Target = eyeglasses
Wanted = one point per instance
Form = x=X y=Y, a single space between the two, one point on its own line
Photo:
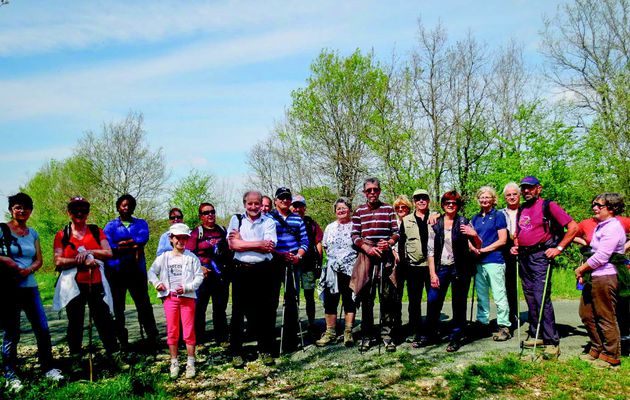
x=598 y=205
x=401 y=207
x=372 y=190
x=449 y=203
x=173 y=217
x=208 y=212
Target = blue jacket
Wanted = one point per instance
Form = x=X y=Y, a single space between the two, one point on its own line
x=138 y=231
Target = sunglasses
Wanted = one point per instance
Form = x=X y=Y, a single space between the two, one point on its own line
x=285 y=197
x=421 y=198
x=372 y=190
x=208 y=212
x=598 y=205
x=401 y=207
x=173 y=217
x=449 y=203
x=78 y=211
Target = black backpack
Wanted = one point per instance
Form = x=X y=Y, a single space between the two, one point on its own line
x=67 y=231
x=6 y=275
x=550 y=225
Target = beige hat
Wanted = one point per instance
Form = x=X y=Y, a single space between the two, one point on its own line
x=178 y=229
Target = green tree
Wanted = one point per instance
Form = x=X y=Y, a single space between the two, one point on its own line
x=189 y=192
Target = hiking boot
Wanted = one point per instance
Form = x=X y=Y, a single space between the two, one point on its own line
x=601 y=364
x=238 y=362
x=423 y=341
x=502 y=335
x=190 y=370
x=54 y=375
x=587 y=357
x=266 y=359
x=551 y=352
x=365 y=344
x=329 y=337
x=390 y=347
x=174 y=369
x=531 y=342
x=117 y=361
x=348 y=339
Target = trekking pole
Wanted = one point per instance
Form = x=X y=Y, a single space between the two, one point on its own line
x=90 y=328
x=518 y=307
x=284 y=306
x=542 y=308
x=380 y=304
x=296 y=286
x=472 y=298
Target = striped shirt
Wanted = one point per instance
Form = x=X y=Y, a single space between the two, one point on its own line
x=287 y=241
x=374 y=224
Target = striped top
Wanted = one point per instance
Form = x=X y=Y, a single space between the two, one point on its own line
x=374 y=224
x=287 y=241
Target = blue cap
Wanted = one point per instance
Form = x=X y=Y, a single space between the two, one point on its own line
x=530 y=181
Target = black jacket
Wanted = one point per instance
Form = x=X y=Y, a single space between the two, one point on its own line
x=464 y=261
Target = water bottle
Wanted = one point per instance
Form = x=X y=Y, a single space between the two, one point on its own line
x=578 y=285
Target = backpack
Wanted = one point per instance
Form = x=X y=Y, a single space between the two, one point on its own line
x=6 y=275
x=550 y=225
x=222 y=254
x=312 y=255
x=67 y=231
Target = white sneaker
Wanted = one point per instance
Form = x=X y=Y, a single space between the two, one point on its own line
x=14 y=385
x=174 y=370
x=54 y=375
x=190 y=371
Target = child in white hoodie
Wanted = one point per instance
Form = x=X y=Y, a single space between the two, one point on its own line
x=176 y=275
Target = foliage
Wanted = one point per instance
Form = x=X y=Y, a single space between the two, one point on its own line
x=189 y=192
x=320 y=202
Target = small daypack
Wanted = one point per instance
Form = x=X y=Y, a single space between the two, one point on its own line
x=550 y=225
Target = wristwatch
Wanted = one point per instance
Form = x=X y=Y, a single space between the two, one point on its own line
x=559 y=248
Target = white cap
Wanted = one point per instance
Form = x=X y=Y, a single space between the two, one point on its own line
x=179 y=229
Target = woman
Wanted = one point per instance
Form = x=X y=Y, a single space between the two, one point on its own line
x=23 y=257
x=176 y=275
x=512 y=196
x=209 y=243
x=175 y=216
x=80 y=252
x=490 y=227
x=601 y=275
x=402 y=206
x=335 y=279
x=449 y=262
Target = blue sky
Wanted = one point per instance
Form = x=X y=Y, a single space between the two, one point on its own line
x=210 y=77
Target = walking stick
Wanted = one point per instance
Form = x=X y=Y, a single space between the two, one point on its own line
x=542 y=308
x=380 y=304
x=518 y=307
x=472 y=298
x=90 y=327
x=297 y=305
x=371 y=294
x=284 y=306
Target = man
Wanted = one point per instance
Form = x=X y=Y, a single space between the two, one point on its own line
x=291 y=248
x=267 y=205
x=536 y=246
x=312 y=262
x=127 y=269
x=374 y=232
x=412 y=249
x=252 y=238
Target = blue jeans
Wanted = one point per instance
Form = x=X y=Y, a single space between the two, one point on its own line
x=435 y=300
x=29 y=300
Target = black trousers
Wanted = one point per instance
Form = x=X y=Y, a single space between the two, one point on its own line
x=253 y=298
x=418 y=280
x=216 y=287
x=134 y=279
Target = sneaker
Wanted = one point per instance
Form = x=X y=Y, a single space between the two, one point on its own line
x=502 y=335
x=238 y=362
x=266 y=359
x=365 y=344
x=587 y=357
x=54 y=375
x=390 y=347
x=190 y=370
x=174 y=370
x=348 y=339
x=329 y=337
x=14 y=385
x=453 y=346
x=531 y=342
x=551 y=352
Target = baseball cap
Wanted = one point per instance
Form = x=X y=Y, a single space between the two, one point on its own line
x=77 y=201
x=420 y=192
x=179 y=229
x=530 y=181
x=298 y=198
x=283 y=191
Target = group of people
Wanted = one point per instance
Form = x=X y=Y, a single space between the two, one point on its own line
x=273 y=251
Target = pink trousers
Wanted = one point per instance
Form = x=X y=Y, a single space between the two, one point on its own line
x=175 y=308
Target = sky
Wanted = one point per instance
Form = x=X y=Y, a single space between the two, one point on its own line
x=210 y=77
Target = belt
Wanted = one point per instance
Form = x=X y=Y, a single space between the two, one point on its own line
x=240 y=264
x=533 y=249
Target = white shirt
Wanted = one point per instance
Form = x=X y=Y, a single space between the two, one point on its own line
x=262 y=228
